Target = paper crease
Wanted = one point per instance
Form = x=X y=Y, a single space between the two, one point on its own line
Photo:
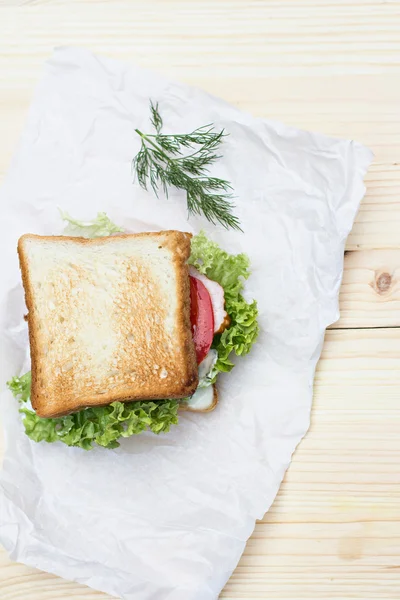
x=168 y=518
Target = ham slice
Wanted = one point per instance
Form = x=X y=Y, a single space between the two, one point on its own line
x=216 y=291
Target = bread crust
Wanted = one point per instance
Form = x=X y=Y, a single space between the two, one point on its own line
x=178 y=244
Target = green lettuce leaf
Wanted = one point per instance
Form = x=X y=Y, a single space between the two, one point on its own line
x=101 y=226
x=104 y=426
x=21 y=387
x=230 y=271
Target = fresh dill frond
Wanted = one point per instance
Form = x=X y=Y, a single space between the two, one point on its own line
x=162 y=161
x=156 y=119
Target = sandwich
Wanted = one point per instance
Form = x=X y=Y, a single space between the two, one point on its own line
x=126 y=330
x=109 y=319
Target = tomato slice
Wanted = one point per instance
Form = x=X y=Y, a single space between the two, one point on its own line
x=201 y=317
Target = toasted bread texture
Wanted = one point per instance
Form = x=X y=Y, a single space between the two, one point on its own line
x=109 y=319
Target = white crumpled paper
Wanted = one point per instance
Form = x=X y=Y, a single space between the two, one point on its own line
x=167 y=517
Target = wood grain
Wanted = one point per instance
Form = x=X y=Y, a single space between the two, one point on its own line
x=334 y=529
x=370 y=292
x=329 y=67
x=333 y=67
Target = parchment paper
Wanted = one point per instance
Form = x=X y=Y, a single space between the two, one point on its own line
x=167 y=517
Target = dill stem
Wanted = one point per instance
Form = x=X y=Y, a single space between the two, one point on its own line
x=158 y=148
x=146 y=137
x=162 y=159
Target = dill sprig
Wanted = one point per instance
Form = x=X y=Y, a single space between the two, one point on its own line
x=164 y=160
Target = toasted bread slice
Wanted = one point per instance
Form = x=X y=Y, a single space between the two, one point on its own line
x=109 y=319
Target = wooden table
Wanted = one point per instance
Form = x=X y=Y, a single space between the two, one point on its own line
x=334 y=530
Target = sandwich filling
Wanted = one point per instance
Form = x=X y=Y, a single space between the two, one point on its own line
x=223 y=324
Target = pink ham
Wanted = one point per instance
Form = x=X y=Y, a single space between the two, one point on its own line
x=216 y=291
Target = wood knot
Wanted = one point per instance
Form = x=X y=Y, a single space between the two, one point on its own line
x=383 y=283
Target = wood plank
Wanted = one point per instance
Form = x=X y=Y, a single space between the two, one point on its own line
x=331 y=67
x=334 y=529
x=370 y=292
x=326 y=68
